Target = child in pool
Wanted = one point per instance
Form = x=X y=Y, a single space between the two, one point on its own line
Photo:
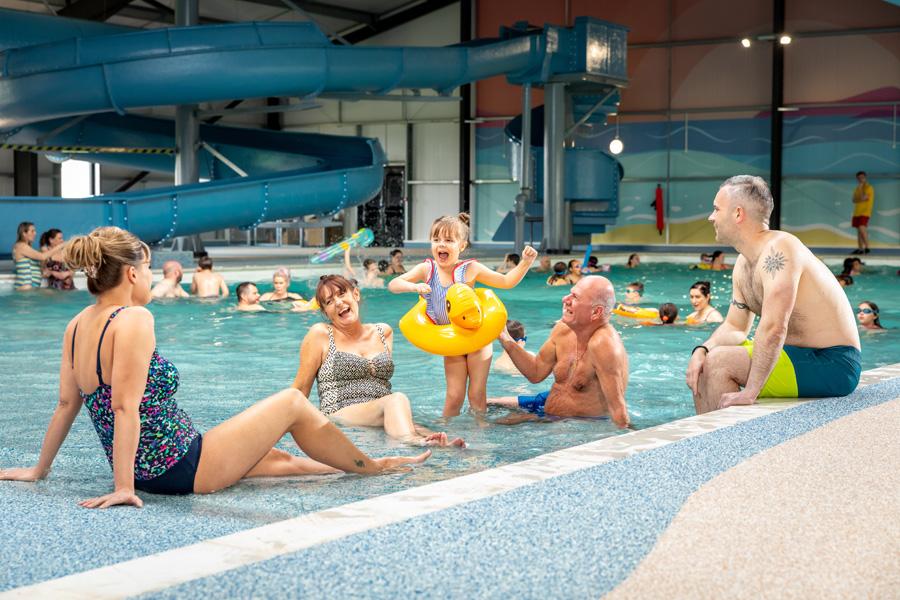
x=559 y=276
x=668 y=313
x=431 y=278
x=504 y=364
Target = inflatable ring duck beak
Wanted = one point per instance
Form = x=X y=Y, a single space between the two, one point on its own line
x=463 y=307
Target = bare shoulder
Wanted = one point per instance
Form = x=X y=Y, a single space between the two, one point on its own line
x=388 y=331
x=317 y=331
x=606 y=340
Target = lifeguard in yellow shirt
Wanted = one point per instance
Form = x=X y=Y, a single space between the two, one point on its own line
x=863 y=200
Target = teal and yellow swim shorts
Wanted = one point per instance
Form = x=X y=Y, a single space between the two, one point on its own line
x=812 y=372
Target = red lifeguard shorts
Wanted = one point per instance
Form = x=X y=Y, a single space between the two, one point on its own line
x=859 y=221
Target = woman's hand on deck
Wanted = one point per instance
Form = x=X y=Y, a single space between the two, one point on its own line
x=117 y=498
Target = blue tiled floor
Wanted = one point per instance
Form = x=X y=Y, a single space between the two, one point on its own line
x=574 y=536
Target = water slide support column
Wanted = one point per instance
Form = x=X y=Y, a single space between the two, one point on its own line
x=187 y=126
x=524 y=194
x=554 y=169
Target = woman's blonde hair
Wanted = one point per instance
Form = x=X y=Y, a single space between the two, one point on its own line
x=455 y=225
x=21 y=229
x=282 y=272
x=102 y=253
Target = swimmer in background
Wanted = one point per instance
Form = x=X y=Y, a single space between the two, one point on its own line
x=852 y=266
x=504 y=364
x=281 y=280
x=544 y=265
x=396 y=265
x=509 y=263
x=465 y=375
x=207 y=284
x=248 y=297
x=170 y=286
x=703 y=311
x=718 y=262
x=574 y=275
x=370 y=272
x=634 y=293
x=867 y=315
x=594 y=266
x=634 y=261
x=844 y=280
x=668 y=314
x=559 y=275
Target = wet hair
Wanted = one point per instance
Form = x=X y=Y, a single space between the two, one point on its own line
x=21 y=229
x=515 y=329
x=848 y=265
x=573 y=263
x=367 y=262
x=631 y=257
x=205 y=262
x=668 y=312
x=333 y=285
x=397 y=251
x=48 y=235
x=858 y=173
x=593 y=262
x=513 y=258
x=282 y=272
x=638 y=286
x=715 y=255
x=241 y=288
x=753 y=190
x=383 y=265
x=703 y=286
x=102 y=253
x=559 y=268
x=847 y=280
x=456 y=225
x=875 y=312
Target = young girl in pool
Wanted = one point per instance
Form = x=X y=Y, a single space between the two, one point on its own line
x=431 y=278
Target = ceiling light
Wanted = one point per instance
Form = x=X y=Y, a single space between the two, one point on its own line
x=616 y=146
x=745 y=42
x=785 y=39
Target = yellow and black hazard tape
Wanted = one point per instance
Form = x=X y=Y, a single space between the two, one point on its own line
x=86 y=149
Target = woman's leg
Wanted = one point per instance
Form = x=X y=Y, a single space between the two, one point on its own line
x=231 y=450
x=479 y=364
x=456 y=373
x=393 y=412
x=278 y=463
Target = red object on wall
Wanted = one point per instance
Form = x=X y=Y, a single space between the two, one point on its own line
x=660 y=214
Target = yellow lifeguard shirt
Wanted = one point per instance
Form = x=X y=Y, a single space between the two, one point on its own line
x=863 y=209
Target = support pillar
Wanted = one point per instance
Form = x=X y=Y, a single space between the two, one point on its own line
x=554 y=238
x=777 y=116
x=25 y=173
x=525 y=172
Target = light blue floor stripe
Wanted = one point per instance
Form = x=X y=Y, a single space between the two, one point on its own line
x=574 y=536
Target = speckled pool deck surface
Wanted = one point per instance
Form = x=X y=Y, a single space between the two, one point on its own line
x=777 y=499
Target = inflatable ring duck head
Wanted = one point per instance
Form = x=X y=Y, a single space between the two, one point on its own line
x=463 y=307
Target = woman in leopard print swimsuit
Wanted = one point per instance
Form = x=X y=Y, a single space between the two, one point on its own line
x=352 y=365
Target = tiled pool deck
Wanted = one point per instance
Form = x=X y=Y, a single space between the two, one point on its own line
x=791 y=498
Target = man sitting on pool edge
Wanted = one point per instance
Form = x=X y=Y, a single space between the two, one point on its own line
x=806 y=343
x=585 y=354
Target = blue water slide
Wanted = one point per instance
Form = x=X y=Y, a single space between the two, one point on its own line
x=69 y=83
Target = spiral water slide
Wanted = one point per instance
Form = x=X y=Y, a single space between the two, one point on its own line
x=68 y=84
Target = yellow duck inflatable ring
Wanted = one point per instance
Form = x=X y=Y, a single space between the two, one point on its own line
x=476 y=319
x=640 y=313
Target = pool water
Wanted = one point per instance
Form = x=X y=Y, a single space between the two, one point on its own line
x=229 y=359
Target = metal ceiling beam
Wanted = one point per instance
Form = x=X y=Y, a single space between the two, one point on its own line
x=325 y=10
x=396 y=18
x=93 y=10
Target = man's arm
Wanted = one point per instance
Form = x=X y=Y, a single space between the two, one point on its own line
x=535 y=367
x=611 y=363
x=223 y=287
x=781 y=270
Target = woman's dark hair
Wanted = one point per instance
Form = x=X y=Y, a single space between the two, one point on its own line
x=395 y=252
x=383 y=265
x=592 y=262
x=102 y=253
x=332 y=285
x=631 y=257
x=515 y=329
x=849 y=263
x=703 y=286
x=367 y=262
x=573 y=263
x=47 y=236
x=858 y=173
x=513 y=258
x=21 y=229
x=241 y=288
x=716 y=255
x=847 y=280
x=559 y=268
x=875 y=312
x=668 y=312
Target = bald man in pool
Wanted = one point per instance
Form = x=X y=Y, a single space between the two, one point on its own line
x=806 y=343
x=585 y=355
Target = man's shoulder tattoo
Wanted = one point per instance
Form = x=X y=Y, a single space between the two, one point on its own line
x=774 y=263
x=740 y=305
